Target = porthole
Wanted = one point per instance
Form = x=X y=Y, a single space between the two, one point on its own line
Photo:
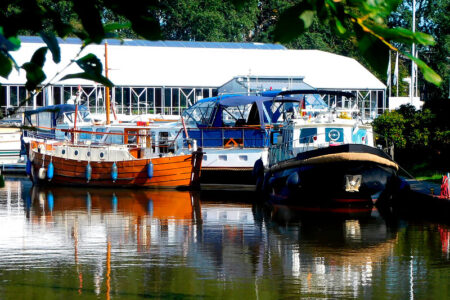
x=88 y=153
x=63 y=151
x=102 y=155
x=75 y=152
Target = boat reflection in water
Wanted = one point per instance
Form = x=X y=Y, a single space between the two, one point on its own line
x=326 y=247
x=137 y=203
x=136 y=243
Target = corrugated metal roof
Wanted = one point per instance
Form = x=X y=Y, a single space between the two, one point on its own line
x=182 y=44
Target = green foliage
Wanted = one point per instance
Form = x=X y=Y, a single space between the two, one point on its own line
x=418 y=135
x=391 y=125
x=92 y=70
x=213 y=20
x=35 y=74
x=50 y=39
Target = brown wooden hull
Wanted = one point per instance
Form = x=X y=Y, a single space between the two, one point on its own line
x=168 y=172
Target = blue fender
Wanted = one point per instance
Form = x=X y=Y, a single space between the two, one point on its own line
x=150 y=170
x=88 y=172
x=50 y=171
x=114 y=172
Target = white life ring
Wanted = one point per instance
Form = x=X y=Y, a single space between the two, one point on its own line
x=334 y=135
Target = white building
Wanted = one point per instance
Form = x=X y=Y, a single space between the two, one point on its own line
x=168 y=76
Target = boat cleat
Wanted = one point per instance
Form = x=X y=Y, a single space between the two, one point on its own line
x=352 y=183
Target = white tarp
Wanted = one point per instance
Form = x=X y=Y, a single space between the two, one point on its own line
x=204 y=67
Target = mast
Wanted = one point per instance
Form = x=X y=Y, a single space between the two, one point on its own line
x=107 y=101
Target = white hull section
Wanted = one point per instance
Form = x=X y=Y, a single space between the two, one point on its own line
x=233 y=158
x=9 y=145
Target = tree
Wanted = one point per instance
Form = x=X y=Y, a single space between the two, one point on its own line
x=212 y=20
x=418 y=136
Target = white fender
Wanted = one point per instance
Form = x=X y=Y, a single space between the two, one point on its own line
x=42 y=173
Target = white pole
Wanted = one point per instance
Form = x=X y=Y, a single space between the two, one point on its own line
x=413 y=52
x=389 y=80
x=396 y=71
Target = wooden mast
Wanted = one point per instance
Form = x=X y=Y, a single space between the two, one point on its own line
x=107 y=101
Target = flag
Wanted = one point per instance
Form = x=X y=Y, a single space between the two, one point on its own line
x=388 y=81
x=395 y=79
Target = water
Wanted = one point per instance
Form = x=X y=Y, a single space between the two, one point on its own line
x=58 y=243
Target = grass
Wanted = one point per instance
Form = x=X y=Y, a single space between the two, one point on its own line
x=435 y=178
x=424 y=171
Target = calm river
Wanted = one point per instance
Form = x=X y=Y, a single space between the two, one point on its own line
x=67 y=243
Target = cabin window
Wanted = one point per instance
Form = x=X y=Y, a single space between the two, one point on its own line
x=334 y=135
x=132 y=137
x=75 y=152
x=45 y=121
x=235 y=116
x=84 y=135
x=115 y=138
x=308 y=135
x=63 y=151
x=99 y=136
x=102 y=155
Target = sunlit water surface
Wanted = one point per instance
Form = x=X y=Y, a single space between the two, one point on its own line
x=58 y=243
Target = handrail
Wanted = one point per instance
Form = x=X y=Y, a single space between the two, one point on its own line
x=275 y=155
x=225 y=141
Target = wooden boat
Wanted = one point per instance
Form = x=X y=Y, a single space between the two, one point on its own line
x=135 y=163
x=60 y=152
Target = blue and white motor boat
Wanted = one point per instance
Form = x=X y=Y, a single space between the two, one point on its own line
x=233 y=131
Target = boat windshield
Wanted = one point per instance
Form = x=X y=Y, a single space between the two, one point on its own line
x=199 y=114
x=281 y=109
x=235 y=115
x=69 y=117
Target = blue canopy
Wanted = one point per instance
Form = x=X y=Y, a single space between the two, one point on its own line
x=59 y=109
x=56 y=111
x=213 y=113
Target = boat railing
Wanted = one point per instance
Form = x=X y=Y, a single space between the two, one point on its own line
x=291 y=147
x=132 y=138
x=224 y=137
